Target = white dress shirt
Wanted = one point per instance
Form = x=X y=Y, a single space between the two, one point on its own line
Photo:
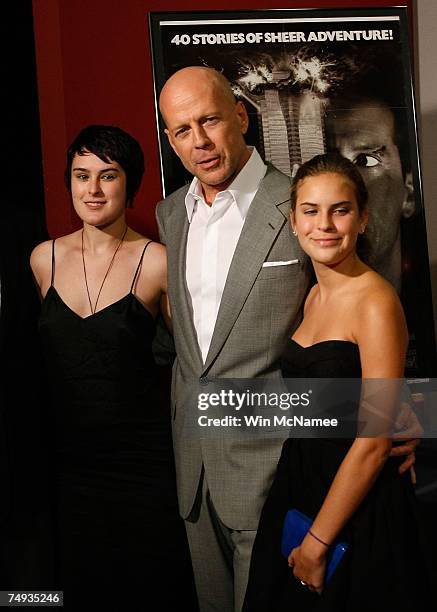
x=212 y=238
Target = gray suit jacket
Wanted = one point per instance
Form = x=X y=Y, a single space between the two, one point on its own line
x=259 y=309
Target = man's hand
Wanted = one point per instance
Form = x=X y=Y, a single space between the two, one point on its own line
x=407 y=449
x=409 y=430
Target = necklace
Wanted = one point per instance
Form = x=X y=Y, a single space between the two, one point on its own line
x=93 y=310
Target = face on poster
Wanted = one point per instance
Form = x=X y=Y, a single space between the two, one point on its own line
x=315 y=81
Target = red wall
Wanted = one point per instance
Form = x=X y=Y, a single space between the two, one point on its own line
x=94 y=66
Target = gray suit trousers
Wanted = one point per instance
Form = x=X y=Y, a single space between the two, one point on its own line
x=220 y=556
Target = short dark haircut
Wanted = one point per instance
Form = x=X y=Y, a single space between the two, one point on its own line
x=336 y=164
x=109 y=143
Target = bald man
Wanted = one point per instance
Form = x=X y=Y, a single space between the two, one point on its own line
x=236 y=283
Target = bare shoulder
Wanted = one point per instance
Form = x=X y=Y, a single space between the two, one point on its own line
x=378 y=306
x=376 y=294
x=41 y=261
x=154 y=265
x=41 y=253
x=380 y=328
x=156 y=258
x=155 y=253
x=41 y=256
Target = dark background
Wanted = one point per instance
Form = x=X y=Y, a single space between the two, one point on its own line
x=21 y=138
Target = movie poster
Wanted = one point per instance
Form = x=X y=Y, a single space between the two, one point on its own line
x=315 y=81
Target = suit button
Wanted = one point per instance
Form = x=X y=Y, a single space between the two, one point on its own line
x=204 y=380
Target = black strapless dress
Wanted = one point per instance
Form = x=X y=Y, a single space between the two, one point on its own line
x=383 y=568
x=121 y=542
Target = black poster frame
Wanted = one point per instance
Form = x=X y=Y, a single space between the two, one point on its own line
x=236 y=43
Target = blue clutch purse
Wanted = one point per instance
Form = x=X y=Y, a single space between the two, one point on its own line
x=296 y=525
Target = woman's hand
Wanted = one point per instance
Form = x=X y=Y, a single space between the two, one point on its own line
x=308 y=562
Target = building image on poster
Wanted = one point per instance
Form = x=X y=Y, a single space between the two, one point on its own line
x=315 y=81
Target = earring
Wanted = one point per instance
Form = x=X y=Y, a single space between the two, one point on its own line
x=362 y=229
x=294 y=232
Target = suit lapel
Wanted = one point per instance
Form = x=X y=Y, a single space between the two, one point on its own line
x=180 y=297
x=264 y=221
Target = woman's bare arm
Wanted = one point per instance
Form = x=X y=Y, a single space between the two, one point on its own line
x=382 y=339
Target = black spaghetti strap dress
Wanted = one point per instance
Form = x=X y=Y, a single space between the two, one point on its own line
x=121 y=542
x=383 y=568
